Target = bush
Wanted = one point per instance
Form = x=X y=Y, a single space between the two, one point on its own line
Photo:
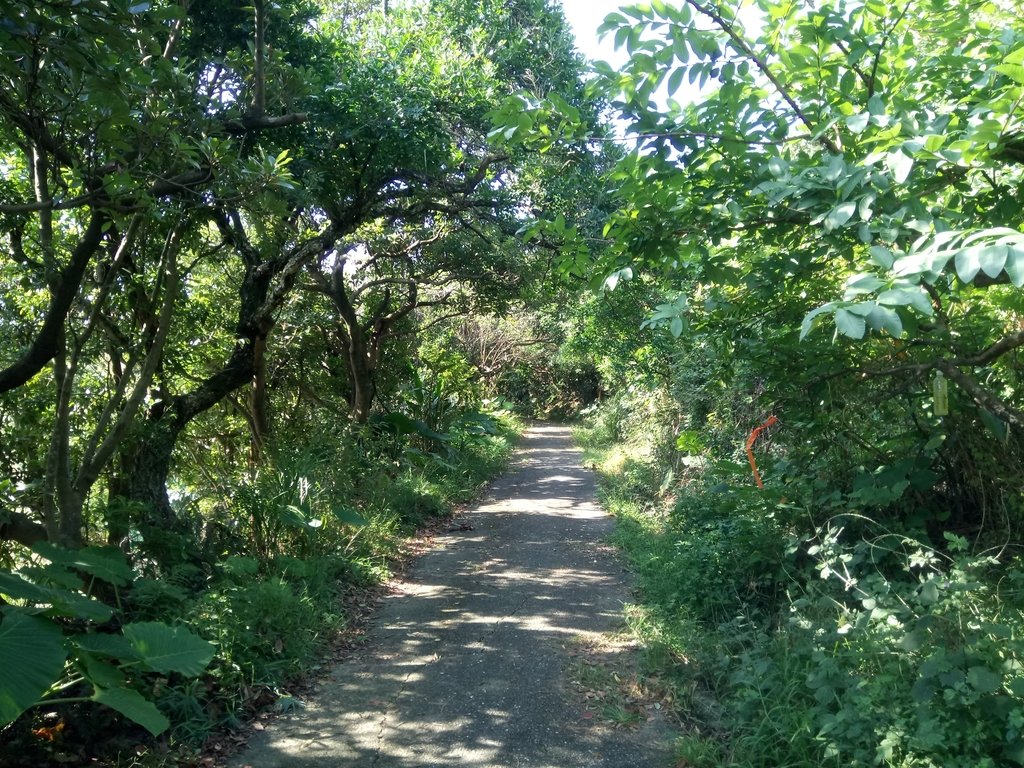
x=852 y=643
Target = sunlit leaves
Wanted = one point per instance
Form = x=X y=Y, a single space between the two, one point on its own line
x=672 y=315
x=1013 y=66
x=839 y=215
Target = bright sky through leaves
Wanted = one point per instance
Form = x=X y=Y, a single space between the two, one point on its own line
x=585 y=16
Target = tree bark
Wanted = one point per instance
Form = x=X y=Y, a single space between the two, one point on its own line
x=258 y=405
x=14 y=526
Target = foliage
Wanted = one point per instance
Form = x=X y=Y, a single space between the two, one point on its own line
x=238 y=239
x=848 y=165
x=848 y=642
x=55 y=663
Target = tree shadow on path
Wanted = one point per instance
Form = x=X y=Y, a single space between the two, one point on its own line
x=464 y=665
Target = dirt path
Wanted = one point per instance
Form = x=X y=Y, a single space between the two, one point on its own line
x=465 y=665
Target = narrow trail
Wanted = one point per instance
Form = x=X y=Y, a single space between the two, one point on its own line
x=465 y=664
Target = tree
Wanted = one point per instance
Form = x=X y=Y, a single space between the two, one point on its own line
x=863 y=149
x=110 y=217
x=832 y=139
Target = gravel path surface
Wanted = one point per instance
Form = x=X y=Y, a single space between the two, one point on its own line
x=465 y=664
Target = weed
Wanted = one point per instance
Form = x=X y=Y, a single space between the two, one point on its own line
x=849 y=645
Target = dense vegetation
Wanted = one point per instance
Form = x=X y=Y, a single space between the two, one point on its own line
x=256 y=261
x=826 y=244
x=277 y=272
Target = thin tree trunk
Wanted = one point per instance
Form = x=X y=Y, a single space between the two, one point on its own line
x=258 y=404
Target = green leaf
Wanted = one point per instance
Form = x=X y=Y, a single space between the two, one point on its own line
x=984 y=680
x=115 y=646
x=1015 y=265
x=839 y=215
x=1013 y=71
x=886 y=319
x=100 y=673
x=992 y=259
x=63 y=602
x=929 y=593
x=996 y=426
x=850 y=324
x=1015 y=57
x=167 y=649
x=862 y=284
x=968 y=262
x=107 y=563
x=33 y=654
x=612 y=280
x=611 y=21
x=15 y=586
x=857 y=123
x=675 y=80
x=907 y=297
x=811 y=317
x=881 y=256
x=899 y=165
x=132 y=705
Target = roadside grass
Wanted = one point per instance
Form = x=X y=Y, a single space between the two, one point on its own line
x=668 y=646
x=737 y=694
x=726 y=687
x=813 y=645
x=604 y=672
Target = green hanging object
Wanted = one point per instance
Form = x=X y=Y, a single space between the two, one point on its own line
x=940 y=394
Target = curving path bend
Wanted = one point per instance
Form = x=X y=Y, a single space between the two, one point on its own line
x=464 y=665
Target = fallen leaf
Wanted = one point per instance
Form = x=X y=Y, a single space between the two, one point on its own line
x=48 y=733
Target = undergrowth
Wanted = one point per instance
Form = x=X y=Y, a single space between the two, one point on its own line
x=286 y=551
x=793 y=635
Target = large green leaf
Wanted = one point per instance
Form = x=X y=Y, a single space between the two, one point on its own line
x=885 y=319
x=850 y=324
x=115 y=646
x=100 y=673
x=968 y=262
x=349 y=516
x=132 y=705
x=107 y=563
x=839 y=215
x=811 y=317
x=63 y=602
x=1015 y=265
x=167 y=649
x=911 y=296
x=33 y=654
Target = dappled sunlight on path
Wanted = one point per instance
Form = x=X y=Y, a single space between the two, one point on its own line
x=464 y=665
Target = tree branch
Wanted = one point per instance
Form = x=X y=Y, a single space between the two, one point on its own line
x=15 y=526
x=252 y=123
x=982 y=396
x=762 y=65
x=44 y=345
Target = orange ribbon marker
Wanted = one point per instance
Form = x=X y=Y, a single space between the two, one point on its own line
x=771 y=421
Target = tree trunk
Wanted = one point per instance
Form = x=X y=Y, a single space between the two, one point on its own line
x=258 y=405
x=151 y=464
x=361 y=374
x=62 y=294
x=264 y=288
x=15 y=526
